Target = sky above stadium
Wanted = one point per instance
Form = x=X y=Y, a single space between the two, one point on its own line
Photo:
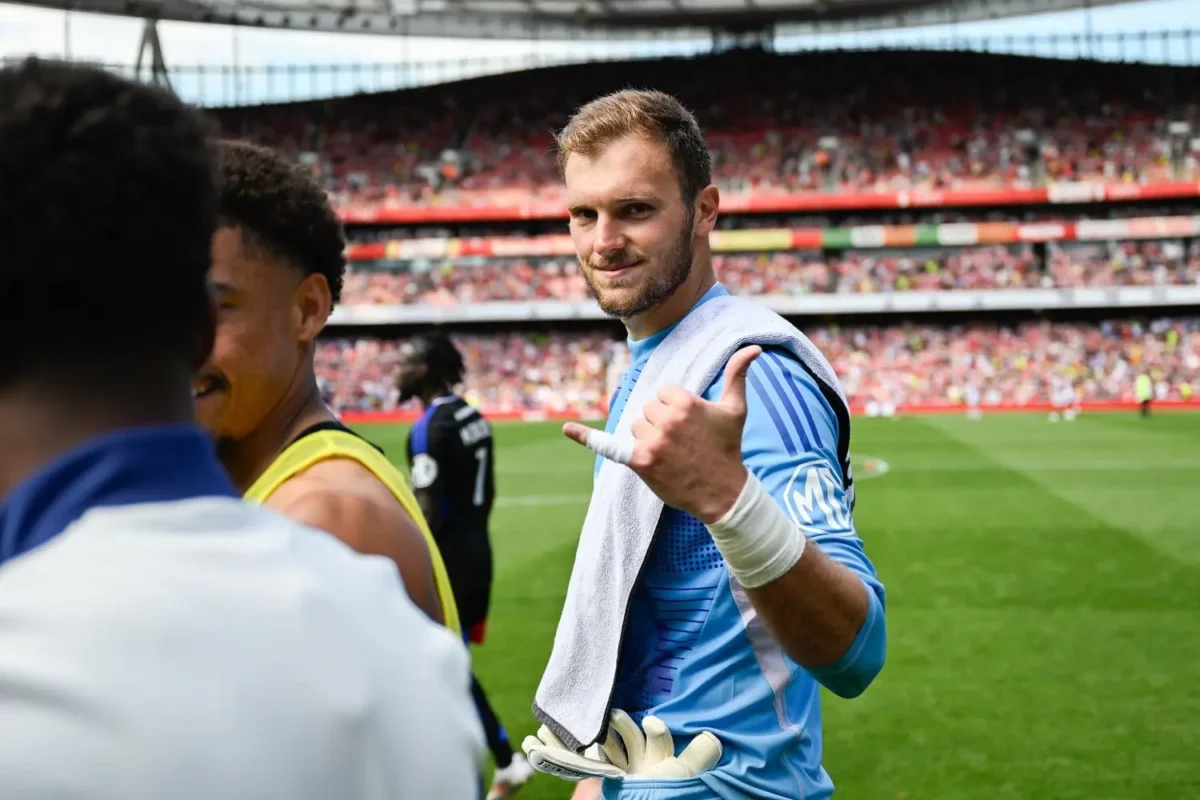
x=114 y=40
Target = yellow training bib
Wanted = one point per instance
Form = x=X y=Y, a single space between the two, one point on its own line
x=324 y=444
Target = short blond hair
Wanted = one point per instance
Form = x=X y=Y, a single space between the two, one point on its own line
x=653 y=115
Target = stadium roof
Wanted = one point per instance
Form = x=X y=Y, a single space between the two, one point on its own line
x=569 y=19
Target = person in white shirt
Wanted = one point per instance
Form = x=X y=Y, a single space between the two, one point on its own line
x=159 y=638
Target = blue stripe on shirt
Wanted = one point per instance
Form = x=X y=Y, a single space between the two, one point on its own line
x=792 y=392
x=787 y=400
x=769 y=404
x=420 y=431
x=805 y=383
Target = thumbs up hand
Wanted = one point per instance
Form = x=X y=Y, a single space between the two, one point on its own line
x=688 y=450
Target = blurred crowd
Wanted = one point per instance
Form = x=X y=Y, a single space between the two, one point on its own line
x=1123 y=264
x=505 y=372
x=795 y=273
x=862 y=122
x=887 y=366
x=1020 y=364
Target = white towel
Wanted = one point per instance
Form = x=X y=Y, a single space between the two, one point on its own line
x=575 y=694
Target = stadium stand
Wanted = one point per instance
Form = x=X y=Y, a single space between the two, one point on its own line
x=797 y=273
x=935 y=120
x=951 y=174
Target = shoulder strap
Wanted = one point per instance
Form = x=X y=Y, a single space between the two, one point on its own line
x=329 y=443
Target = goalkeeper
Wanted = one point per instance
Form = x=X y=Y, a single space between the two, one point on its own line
x=753 y=589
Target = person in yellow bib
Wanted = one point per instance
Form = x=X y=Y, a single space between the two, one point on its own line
x=278 y=263
x=1144 y=389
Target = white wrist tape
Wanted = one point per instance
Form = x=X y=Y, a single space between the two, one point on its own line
x=756 y=537
x=609 y=446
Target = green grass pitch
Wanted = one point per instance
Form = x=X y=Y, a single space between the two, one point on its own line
x=1043 y=603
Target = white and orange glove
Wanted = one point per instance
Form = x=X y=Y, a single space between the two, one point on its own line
x=627 y=753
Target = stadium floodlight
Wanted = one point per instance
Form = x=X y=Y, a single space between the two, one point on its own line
x=150 y=52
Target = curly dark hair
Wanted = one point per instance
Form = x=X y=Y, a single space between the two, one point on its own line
x=107 y=214
x=282 y=211
x=444 y=362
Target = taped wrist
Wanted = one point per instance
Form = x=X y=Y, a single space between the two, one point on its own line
x=756 y=538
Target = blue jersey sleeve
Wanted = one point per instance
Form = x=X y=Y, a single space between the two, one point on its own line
x=790 y=444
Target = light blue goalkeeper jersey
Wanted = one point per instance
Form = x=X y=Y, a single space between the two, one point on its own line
x=695 y=652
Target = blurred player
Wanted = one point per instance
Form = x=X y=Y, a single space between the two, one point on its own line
x=972 y=397
x=1144 y=389
x=278 y=261
x=158 y=636
x=1063 y=398
x=756 y=589
x=451 y=457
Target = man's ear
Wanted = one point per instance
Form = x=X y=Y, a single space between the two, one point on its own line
x=708 y=202
x=312 y=304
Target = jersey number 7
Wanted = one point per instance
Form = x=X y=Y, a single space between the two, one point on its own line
x=481 y=455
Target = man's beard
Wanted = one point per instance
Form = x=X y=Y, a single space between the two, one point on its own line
x=659 y=286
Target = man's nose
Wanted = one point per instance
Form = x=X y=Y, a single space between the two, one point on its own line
x=609 y=237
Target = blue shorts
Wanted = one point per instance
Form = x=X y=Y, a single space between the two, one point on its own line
x=673 y=789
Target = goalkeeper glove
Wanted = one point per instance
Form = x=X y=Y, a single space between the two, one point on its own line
x=627 y=752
